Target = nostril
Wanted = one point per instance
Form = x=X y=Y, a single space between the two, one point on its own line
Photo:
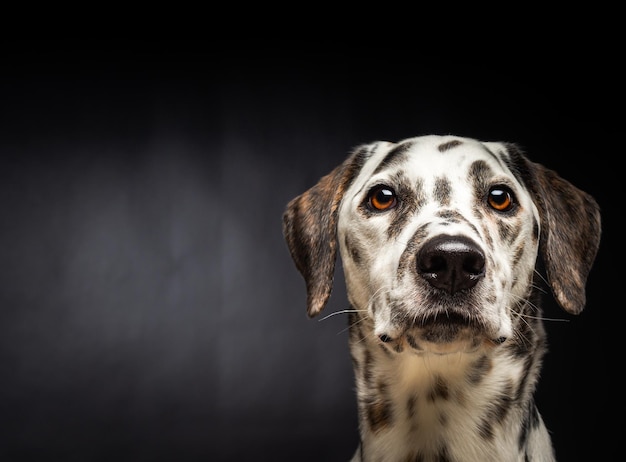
x=432 y=263
x=473 y=263
x=451 y=263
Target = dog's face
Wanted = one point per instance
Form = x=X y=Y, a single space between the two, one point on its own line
x=439 y=238
x=438 y=241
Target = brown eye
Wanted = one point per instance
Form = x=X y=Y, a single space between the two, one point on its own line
x=501 y=199
x=381 y=198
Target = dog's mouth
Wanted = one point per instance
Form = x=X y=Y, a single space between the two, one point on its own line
x=442 y=333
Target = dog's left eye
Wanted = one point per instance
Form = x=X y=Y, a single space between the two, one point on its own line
x=381 y=198
x=501 y=198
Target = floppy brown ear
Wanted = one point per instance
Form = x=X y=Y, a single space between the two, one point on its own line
x=570 y=234
x=310 y=229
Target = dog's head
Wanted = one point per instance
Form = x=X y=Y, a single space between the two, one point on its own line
x=439 y=238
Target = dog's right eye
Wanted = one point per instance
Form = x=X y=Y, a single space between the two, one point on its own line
x=381 y=198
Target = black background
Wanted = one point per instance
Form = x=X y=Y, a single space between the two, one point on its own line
x=149 y=309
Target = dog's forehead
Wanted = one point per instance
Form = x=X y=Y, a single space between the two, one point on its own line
x=436 y=156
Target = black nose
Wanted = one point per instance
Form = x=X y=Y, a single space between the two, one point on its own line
x=451 y=263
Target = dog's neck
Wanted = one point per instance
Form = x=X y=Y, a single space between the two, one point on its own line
x=456 y=406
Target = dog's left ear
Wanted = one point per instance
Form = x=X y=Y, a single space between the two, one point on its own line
x=310 y=229
x=570 y=233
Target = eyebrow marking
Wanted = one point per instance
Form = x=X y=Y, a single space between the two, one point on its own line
x=395 y=156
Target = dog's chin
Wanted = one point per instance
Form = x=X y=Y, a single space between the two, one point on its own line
x=455 y=334
x=445 y=339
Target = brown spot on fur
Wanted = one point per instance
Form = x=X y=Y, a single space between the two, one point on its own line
x=378 y=415
x=410 y=406
x=417 y=457
x=439 y=389
x=378 y=409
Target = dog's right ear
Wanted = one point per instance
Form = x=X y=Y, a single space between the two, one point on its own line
x=310 y=229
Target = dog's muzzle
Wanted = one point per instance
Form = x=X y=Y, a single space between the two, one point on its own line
x=449 y=318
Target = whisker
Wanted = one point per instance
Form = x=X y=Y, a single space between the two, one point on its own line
x=338 y=312
x=543 y=318
x=523 y=301
x=541 y=276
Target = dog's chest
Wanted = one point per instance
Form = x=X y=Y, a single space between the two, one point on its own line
x=446 y=407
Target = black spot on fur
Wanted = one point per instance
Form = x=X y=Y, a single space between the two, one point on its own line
x=442 y=455
x=420 y=196
x=442 y=191
x=527 y=330
x=523 y=337
x=486 y=429
x=500 y=408
x=443 y=147
x=407 y=258
x=529 y=364
x=519 y=253
x=450 y=215
x=491 y=298
x=479 y=370
x=407 y=204
x=502 y=405
x=353 y=250
x=508 y=231
x=412 y=343
x=479 y=175
x=396 y=156
x=354 y=326
x=414 y=458
x=368 y=375
x=530 y=422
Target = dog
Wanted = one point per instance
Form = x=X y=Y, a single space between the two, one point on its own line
x=444 y=242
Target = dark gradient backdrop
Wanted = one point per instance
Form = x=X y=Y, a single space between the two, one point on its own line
x=149 y=309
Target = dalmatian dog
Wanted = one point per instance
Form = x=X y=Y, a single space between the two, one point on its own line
x=445 y=243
